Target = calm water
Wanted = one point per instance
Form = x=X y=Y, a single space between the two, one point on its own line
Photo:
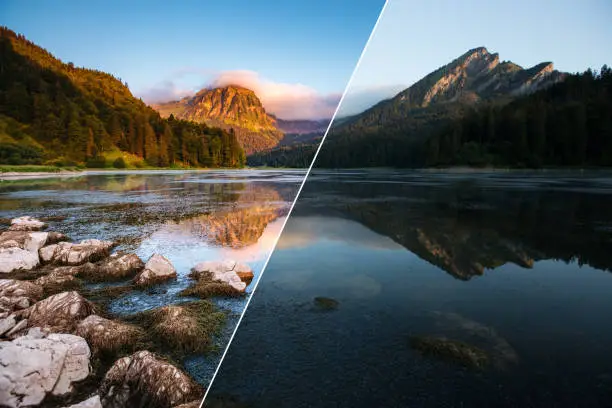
x=516 y=264
x=188 y=217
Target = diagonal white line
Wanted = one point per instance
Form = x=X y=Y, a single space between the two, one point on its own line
x=348 y=85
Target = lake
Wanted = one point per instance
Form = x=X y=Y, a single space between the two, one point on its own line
x=433 y=289
x=186 y=216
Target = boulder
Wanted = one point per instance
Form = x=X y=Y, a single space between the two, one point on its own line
x=7 y=324
x=93 y=402
x=224 y=271
x=107 y=335
x=16 y=259
x=17 y=294
x=68 y=253
x=116 y=267
x=59 y=312
x=157 y=269
x=26 y=223
x=36 y=366
x=142 y=380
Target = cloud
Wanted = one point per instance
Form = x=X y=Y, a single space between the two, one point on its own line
x=285 y=100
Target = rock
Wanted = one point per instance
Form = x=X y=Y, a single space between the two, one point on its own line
x=7 y=324
x=325 y=303
x=225 y=271
x=450 y=350
x=33 y=368
x=55 y=237
x=106 y=335
x=192 y=404
x=68 y=253
x=22 y=325
x=59 y=312
x=17 y=259
x=93 y=402
x=144 y=380
x=26 y=223
x=115 y=267
x=17 y=294
x=157 y=269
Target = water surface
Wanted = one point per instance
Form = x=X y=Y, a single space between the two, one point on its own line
x=515 y=264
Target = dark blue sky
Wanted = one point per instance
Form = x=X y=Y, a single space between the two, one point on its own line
x=162 y=46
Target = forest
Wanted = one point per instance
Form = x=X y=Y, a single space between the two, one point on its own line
x=296 y=156
x=566 y=124
x=52 y=112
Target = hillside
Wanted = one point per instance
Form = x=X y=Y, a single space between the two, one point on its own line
x=55 y=113
x=385 y=134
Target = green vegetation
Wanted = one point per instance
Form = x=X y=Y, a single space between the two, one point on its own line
x=34 y=169
x=298 y=156
x=57 y=114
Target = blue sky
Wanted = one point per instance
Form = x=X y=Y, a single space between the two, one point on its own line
x=167 y=48
x=414 y=38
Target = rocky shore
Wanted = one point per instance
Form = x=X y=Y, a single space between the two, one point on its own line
x=59 y=347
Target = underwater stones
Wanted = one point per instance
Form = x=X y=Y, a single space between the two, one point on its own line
x=450 y=350
x=16 y=259
x=143 y=379
x=224 y=271
x=68 y=253
x=107 y=335
x=36 y=366
x=325 y=303
x=60 y=312
x=157 y=269
x=26 y=223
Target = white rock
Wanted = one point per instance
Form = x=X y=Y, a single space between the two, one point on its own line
x=15 y=259
x=224 y=271
x=26 y=223
x=7 y=324
x=68 y=253
x=93 y=402
x=157 y=269
x=32 y=368
x=35 y=241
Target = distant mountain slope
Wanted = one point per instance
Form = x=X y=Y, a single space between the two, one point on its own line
x=304 y=126
x=230 y=107
x=476 y=77
x=53 y=112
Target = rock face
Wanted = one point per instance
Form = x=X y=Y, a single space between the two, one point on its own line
x=106 y=335
x=229 y=272
x=17 y=259
x=145 y=381
x=229 y=107
x=67 y=253
x=27 y=223
x=60 y=312
x=157 y=269
x=35 y=366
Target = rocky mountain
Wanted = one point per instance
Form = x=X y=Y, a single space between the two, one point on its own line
x=476 y=78
x=229 y=107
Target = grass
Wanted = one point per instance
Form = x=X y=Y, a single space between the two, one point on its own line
x=31 y=168
x=111 y=338
x=184 y=328
x=204 y=288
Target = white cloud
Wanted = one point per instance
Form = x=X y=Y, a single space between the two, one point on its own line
x=285 y=100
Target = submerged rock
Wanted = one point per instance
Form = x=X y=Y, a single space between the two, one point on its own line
x=93 y=402
x=104 y=335
x=68 y=253
x=16 y=259
x=144 y=380
x=60 y=312
x=450 y=350
x=36 y=366
x=26 y=223
x=229 y=272
x=325 y=303
x=157 y=269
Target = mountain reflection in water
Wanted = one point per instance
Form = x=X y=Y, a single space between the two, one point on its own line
x=448 y=290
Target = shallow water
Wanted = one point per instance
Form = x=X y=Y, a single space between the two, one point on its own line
x=188 y=217
x=516 y=264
